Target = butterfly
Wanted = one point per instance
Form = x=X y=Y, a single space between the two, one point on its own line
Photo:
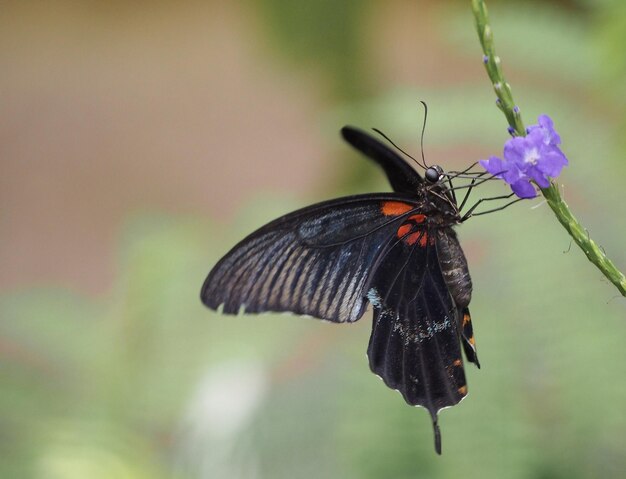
x=396 y=251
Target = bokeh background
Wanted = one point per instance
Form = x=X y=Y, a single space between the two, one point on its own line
x=140 y=140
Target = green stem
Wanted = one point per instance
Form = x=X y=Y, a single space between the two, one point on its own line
x=507 y=105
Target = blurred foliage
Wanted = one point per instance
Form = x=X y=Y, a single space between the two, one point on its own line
x=146 y=383
x=324 y=34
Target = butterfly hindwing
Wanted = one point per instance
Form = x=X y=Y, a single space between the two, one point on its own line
x=467 y=336
x=415 y=345
x=315 y=261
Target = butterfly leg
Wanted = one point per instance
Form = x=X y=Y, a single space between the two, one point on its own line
x=471 y=213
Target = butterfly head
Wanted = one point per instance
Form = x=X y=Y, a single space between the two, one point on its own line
x=435 y=190
x=433 y=174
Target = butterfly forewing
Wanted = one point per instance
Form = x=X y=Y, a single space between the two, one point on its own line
x=315 y=261
x=401 y=176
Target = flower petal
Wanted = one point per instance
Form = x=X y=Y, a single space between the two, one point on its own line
x=523 y=189
x=513 y=173
x=537 y=175
x=494 y=165
x=553 y=161
x=545 y=127
x=546 y=123
x=514 y=149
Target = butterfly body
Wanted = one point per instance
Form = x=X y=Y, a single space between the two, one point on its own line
x=396 y=251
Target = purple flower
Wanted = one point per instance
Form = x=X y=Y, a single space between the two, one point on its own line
x=546 y=126
x=535 y=157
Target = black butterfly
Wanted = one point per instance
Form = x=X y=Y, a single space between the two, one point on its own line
x=397 y=251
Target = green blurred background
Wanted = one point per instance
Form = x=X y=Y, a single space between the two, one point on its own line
x=140 y=140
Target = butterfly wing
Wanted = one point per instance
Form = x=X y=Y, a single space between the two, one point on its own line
x=316 y=261
x=467 y=337
x=402 y=177
x=415 y=343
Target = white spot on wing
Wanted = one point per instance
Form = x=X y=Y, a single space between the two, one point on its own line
x=374 y=298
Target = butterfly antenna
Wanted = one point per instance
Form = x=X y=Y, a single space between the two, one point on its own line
x=423 y=130
x=397 y=147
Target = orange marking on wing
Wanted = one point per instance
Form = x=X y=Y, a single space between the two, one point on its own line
x=413 y=238
x=418 y=218
x=404 y=230
x=471 y=341
x=395 y=208
x=419 y=237
x=466 y=319
x=463 y=390
x=424 y=239
x=457 y=363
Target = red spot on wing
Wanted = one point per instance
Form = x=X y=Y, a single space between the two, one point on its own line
x=395 y=208
x=424 y=239
x=419 y=237
x=404 y=230
x=408 y=232
x=413 y=238
x=418 y=218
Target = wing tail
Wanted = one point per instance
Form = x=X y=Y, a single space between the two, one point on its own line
x=437 y=433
